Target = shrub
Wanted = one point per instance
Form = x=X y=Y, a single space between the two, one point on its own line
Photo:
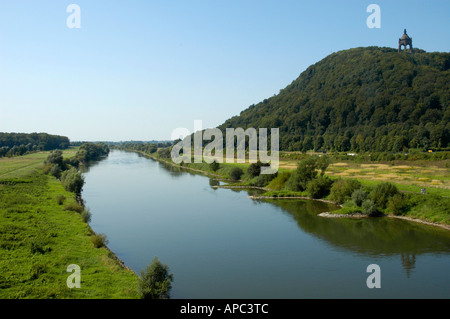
x=254 y=169
x=359 y=196
x=72 y=180
x=60 y=199
x=214 y=166
x=397 y=204
x=55 y=157
x=46 y=167
x=305 y=172
x=279 y=182
x=55 y=171
x=236 y=173
x=155 y=282
x=263 y=179
x=86 y=215
x=343 y=189
x=99 y=240
x=382 y=192
x=319 y=187
x=74 y=207
x=369 y=208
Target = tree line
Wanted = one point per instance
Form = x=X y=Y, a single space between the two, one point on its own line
x=16 y=144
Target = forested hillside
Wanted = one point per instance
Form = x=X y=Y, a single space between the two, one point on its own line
x=361 y=99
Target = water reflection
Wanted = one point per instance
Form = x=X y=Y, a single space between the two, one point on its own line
x=221 y=244
x=368 y=236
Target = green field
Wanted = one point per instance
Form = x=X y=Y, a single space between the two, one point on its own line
x=39 y=238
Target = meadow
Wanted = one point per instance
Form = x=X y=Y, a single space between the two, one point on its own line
x=42 y=232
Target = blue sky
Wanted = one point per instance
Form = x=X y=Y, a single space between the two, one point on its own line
x=138 y=69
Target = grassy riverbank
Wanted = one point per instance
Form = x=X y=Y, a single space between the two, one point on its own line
x=41 y=234
x=407 y=176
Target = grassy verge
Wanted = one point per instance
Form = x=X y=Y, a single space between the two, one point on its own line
x=40 y=236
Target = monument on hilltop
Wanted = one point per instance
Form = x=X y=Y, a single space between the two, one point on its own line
x=404 y=41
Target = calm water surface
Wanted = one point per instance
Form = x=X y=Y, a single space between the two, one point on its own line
x=219 y=243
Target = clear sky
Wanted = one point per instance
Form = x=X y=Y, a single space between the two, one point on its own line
x=138 y=69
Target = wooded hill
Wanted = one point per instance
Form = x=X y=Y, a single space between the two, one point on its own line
x=361 y=99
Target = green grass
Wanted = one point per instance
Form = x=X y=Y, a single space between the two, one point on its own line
x=39 y=239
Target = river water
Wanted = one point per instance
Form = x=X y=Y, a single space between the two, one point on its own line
x=219 y=243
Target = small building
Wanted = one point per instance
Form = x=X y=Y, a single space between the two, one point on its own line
x=405 y=41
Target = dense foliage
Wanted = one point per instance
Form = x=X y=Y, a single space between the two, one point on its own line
x=15 y=144
x=362 y=99
x=145 y=147
x=91 y=152
x=155 y=281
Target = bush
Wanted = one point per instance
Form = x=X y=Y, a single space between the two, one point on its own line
x=86 y=215
x=263 y=179
x=72 y=180
x=343 y=189
x=359 y=196
x=319 y=187
x=369 y=208
x=60 y=199
x=236 y=173
x=55 y=157
x=74 y=207
x=214 y=166
x=305 y=172
x=397 y=204
x=99 y=240
x=254 y=169
x=382 y=192
x=155 y=282
x=279 y=182
x=55 y=171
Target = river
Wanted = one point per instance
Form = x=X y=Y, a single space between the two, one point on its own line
x=219 y=243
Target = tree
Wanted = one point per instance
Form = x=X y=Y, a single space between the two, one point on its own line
x=72 y=180
x=155 y=281
x=359 y=196
x=343 y=189
x=369 y=208
x=305 y=172
x=214 y=166
x=382 y=193
x=236 y=173
x=319 y=187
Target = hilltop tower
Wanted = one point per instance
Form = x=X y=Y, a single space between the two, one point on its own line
x=405 y=40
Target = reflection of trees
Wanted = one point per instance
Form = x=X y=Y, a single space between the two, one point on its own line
x=213 y=182
x=174 y=171
x=369 y=236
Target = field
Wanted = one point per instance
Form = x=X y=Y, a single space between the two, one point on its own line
x=409 y=176
x=40 y=237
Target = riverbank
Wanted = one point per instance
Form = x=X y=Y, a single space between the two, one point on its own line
x=426 y=208
x=41 y=234
x=358 y=215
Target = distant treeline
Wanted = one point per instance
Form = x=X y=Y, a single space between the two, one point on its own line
x=91 y=152
x=15 y=144
x=411 y=155
x=149 y=147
